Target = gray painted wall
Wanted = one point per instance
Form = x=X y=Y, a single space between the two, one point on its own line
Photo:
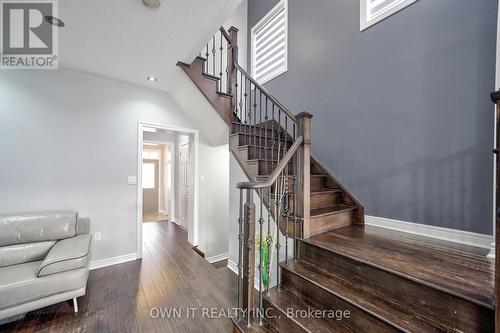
x=401 y=111
x=70 y=141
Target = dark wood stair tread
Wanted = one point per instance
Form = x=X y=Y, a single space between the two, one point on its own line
x=326 y=191
x=336 y=209
x=223 y=94
x=211 y=77
x=455 y=269
x=361 y=298
x=276 y=136
x=254 y=328
x=285 y=301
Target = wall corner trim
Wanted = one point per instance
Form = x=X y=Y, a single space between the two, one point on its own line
x=112 y=261
x=218 y=257
x=232 y=266
x=452 y=235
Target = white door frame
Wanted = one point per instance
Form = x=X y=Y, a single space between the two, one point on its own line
x=192 y=232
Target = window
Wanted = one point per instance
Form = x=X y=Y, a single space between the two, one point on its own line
x=269 y=44
x=151 y=155
x=373 y=11
x=148 y=175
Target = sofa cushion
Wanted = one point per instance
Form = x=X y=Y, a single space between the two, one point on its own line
x=37 y=227
x=19 y=283
x=66 y=254
x=21 y=253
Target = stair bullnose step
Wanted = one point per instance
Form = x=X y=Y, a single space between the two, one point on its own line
x=223 y=94
x=362 y=299
x=292 y=314
x=326 y=191
x=211 y=77
x=242 y=327
x=334 y=210
x=275 y=136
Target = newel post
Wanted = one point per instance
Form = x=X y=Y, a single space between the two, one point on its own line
x=232 y=57
x=495 y=97
x=304 y=172
x=248 y=252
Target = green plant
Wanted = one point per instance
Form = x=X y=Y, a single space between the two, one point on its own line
x=265 y=254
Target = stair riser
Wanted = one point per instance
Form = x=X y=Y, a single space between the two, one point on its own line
x=242 y=140
x=324 y=200
x=358 y=321
x=318 y=183
x=265 y=167
x=437 y=306
x=262 y=153
x=270 y=132
x=329 y=222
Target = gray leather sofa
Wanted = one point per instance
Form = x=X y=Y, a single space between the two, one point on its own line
x=44 y=259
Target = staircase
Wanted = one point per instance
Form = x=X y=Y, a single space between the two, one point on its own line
x=334 y=274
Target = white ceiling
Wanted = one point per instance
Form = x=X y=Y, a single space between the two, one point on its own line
x=127 y=41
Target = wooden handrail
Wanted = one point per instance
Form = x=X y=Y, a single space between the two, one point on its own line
x=273 y=176
x=265 y=92
x=226 y=35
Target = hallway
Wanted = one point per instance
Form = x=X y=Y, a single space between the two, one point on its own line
x=119 y=298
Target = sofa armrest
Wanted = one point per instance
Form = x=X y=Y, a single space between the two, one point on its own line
x=67 y=254
x=82 y=225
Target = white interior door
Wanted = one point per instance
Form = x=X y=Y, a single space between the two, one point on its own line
x=150 y=186
x=184 y=185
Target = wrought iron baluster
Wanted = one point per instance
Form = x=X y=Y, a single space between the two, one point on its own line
x=294 y=191
x=220 y=70
x=260 y=123
x=206 y=60
x=269 y=239
x=286 y=198
x=213 y=56
x=241 y=98
x=240 y=254
x=277 y=196
x=246 y=113
x=279 y=130
x=235 y=100
x=261 y=221
x=255 y=117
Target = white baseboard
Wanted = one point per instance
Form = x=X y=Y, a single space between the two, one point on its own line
x=452 y=235
x=112 y=261
x=217 y=257
x=232 y=266
x=491 y=254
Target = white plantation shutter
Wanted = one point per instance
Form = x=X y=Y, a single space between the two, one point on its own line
x=373 y=11
x=269 y=44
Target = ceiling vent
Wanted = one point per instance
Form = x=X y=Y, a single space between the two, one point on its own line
x=152 y=3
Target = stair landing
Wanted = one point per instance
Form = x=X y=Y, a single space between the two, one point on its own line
x=461 y=270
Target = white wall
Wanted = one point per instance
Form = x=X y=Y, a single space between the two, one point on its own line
x=70 y=141
x=239 y=20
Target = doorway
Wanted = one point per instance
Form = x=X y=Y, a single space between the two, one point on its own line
x=156 y=182
x=167 y=179
x=184 y=185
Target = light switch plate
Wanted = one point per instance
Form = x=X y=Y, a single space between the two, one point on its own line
x=97 y=236
x=203 y=179
x=132 y=180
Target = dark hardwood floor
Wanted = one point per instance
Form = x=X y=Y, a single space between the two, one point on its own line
x=119 y=298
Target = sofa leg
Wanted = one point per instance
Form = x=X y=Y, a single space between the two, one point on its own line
x=75 y=305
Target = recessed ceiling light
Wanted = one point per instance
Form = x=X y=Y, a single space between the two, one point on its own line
x=152 y=78
x=54 y=21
